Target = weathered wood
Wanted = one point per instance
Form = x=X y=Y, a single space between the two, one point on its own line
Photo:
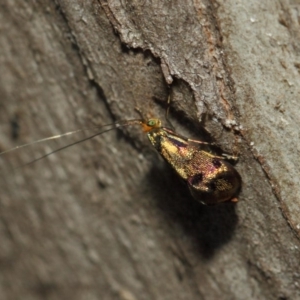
x=108 y=219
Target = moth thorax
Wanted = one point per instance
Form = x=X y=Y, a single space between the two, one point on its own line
x=155 y=136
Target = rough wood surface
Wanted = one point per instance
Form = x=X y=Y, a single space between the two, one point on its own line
x=107 y=219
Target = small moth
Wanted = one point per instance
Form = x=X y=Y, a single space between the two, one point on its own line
x=211 y=179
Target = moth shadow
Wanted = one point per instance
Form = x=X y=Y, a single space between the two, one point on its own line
x=209 y=227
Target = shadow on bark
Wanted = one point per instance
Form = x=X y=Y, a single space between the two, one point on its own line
x=209 y=227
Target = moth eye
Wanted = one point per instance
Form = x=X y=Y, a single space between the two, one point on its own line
x=151 y=122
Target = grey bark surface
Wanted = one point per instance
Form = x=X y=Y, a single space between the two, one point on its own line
x=108 y=219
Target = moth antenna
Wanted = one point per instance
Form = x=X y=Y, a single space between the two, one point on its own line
x=115 y=126
x=45 y=139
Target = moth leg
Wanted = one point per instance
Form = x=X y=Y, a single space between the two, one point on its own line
x=201 y=142
x=224 y=156
x=230 y=157
x=234 y=200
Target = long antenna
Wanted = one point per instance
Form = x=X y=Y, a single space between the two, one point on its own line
x=115 y=126
x=65 y=147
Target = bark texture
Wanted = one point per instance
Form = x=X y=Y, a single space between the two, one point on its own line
x=108 y=219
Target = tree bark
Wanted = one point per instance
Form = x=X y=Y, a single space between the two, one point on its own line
x=108 y=219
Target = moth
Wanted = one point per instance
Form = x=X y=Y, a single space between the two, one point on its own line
x=211 y=179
